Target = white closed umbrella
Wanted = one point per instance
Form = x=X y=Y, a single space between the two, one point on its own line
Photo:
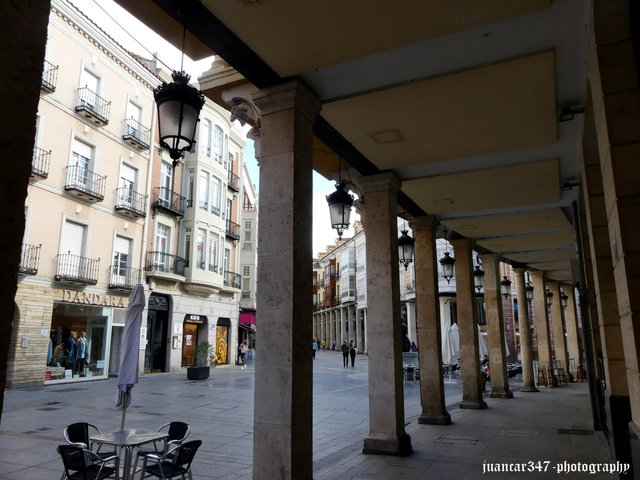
x=484 y=351
x=128 y=372
x=455 y=341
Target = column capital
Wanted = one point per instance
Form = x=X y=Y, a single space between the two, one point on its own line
x=285 y=96
x=423 y=222
x=537 y=274
x=379 y=182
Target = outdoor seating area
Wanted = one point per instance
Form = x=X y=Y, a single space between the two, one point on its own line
x=169 y=457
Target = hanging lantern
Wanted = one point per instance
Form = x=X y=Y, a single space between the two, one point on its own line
x=564 y=299
x=406 y=246
x=179 y=106
x=478 y=275
x=549 y=299
x=448 y=269
x=505 y=286
x=529 y=292
x=340 y=203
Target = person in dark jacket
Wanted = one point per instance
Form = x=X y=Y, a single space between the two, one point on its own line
x=352 y=352
x=345 y=354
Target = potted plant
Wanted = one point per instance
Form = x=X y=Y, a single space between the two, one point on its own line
x=205 y=357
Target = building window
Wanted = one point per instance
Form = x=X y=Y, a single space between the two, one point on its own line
x=204 y=190
x=121 y=252
x=82 y=155
x=247 y=225
x=206 y=137
x=163 y=235
x=128 y=180
x=202 y=236
x=187 y=247
x=215 y=195
x=246 y=271
x=217 y=144
x=166 y=181
x=190 y=186
x=213 y=252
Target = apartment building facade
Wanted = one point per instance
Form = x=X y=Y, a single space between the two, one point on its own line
x=107 y=209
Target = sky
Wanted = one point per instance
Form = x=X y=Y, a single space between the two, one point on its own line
x=118 y=23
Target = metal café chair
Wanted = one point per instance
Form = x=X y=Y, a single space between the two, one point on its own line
x=173 y=463
x=77 y=434
x=177 y=432
x=83 y=464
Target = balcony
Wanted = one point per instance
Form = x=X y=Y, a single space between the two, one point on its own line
x=164 y=264
x=130 y=203
x=49 y=78
x=29 y=260
x=124 y=278
x=136 y=134
x=85 y=183
x=76 y=269
x=233 y=182
x=169 y=202
x=93 y=106
x=232 y=279
x=233 y=230
x=40 y=163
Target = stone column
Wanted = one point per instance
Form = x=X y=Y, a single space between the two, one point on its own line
x=283 y=407
x=541 y=317
x=366 y=329
x=559 y=342
x=571 y=321
x=495 y=327
x=386 y=399
x=411 y=321
x=334 y=325
x=321 y=333
x=362 y=330
x=343 y=324
x=467 y=325
x=428 y=333
x=526 y=347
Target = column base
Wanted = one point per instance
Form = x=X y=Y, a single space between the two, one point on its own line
x=501 y=394
x=529 y=389
x=444 y=419
x=634 y=441
x=396 y=446
x=473 y=404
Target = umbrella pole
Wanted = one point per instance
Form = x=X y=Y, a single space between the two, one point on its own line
x=124 y=412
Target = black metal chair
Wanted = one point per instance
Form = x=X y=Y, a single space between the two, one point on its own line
x=177 y=433
x=77 y=434
x=176 y=462
x=83 y=464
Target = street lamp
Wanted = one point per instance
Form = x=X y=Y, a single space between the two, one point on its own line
x=179 y=106
x=406 y=247
x=549 y=297
x=528 y=289
x=478 y=274
x=564 y=299
x=340 y=203
x=505 y=286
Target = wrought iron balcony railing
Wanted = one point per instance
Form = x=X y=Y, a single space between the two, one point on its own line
x=130 y=202
x=232 y=279
x=76 y=269
x=85 y=183
x=40 y=162
x=233 y=230
x=164 y=263
x=168 y=201
x=136 y=134
x=233 y=181
x=49 y=77
x=124 y=278
x=93 y=106
x=30 y=259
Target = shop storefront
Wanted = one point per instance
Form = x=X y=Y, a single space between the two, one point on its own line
x=194 y=331
x=155 y=354
x=80 y=336
x=223 y=326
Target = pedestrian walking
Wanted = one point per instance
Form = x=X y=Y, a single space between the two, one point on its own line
x=352 y=352
x=314 y=347
x=244 y=350
x=345 y=354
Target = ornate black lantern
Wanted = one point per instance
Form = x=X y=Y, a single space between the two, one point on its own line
x=549 y=298
x=340 y=203
x=529 y=292
x=448 y=270
x=478 y=275
x=179 y=106
x=406 y=247
x=505 y=286
x=564 y=298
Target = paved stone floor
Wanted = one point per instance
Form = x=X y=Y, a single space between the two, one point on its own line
x=526 y=428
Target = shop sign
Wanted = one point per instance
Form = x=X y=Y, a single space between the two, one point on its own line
x=197 y=319
x=92 y=299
